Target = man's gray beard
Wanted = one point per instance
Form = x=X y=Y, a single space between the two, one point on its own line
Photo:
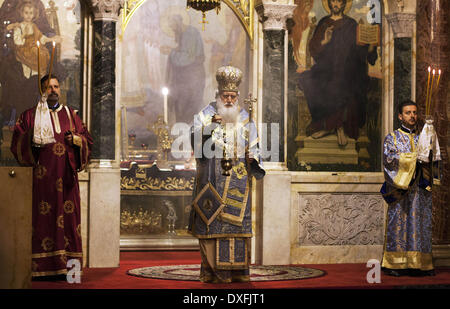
x=229 y=114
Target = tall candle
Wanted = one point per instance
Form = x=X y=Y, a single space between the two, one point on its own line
x=165 y=92
x=428 y=90
x=439 y=77
x=431 y=92
x=51 y=62
x=436 y=87
x=39 y=66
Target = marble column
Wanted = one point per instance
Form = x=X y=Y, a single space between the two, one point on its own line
x=104 y=181
x=433 y=49
x=402 y=26
x=274 y=18
x=274 y=231
x=103 y=92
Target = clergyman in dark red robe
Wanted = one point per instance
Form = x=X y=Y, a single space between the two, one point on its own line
x=56 y=194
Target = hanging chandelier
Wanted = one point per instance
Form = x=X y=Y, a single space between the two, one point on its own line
x=204 y=6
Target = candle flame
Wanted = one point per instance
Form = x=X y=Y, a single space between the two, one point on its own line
x=37 y=43
x=439 y=71
x=429 y=69
x=434 y=71
x=54 y=43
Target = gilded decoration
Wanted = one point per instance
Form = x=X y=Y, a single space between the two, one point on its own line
x=240 y=170
x=47 y=244
x=44 y=208
x=60 y=221
x=40 y=171
x=243 y=9
x=59 y=185
x=59 y=149
x=204 y=6
x=129 y=7
x=68 y=207
x=228 y=78
x=150 y=183
x=141 y=221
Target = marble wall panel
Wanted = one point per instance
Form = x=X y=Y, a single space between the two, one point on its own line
x=340 y=219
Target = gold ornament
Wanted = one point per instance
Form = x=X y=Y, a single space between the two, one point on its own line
x=40 y=171
x=59 y=149
x=47 y=244
x=60 y=221
x=228 y=78
x=204 y=6
x=44 y=208
x=68 y=207
x=59 y=185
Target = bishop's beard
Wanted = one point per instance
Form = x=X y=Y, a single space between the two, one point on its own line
x=229 y=113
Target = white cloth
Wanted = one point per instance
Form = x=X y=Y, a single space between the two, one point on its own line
x=43 y=129
x=428 y=141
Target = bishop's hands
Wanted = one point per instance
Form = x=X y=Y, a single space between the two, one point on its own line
x=217 y=119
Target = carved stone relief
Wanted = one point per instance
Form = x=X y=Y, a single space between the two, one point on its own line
x=340 y=219
x=402 y=24
x=275 y=15
x=106 y=9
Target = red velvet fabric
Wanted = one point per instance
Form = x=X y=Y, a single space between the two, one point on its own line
x=56 y=195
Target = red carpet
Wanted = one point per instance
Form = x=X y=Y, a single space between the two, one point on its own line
x=339 y=276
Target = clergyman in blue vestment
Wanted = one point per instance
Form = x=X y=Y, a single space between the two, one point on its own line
x=407 y=190
x=221 y=216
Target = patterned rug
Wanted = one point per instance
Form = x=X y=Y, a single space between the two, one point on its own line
x=257 y=273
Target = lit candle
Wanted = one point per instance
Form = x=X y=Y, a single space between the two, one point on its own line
x=51 y=62
x=165 y=92
x=436 y=87
x=431 y=92
x=39 y=66
x=439 y=77
x=428 y=90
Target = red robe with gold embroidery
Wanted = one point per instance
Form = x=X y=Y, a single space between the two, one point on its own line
x=56 y=195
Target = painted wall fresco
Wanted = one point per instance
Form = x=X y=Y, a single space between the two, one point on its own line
x=164 y=45
x=334 y=91
x=22 y=23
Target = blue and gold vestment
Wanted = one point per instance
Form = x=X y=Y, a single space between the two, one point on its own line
x=221 y=209
x=409 y=214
